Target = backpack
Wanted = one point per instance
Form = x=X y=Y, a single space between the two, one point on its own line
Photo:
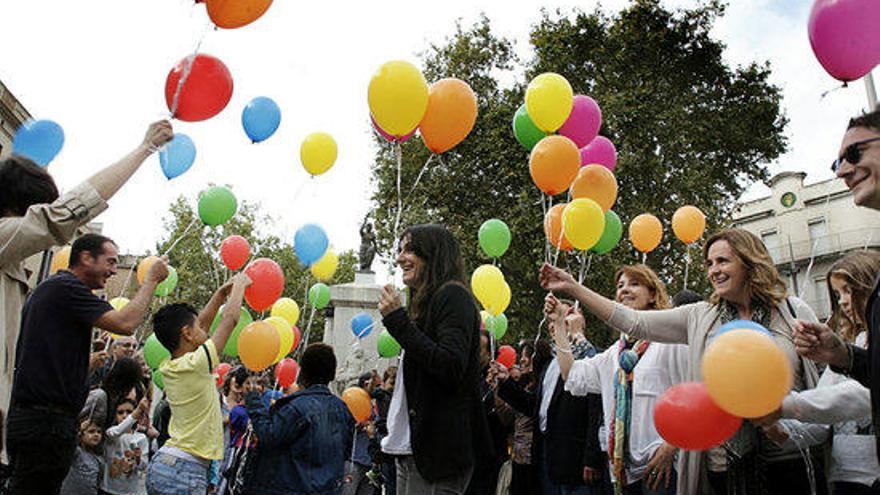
x=237 y=471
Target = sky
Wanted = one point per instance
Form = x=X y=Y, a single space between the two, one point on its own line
x=98 y=68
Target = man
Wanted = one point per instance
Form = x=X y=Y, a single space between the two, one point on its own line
x=52 y=359
x=123 y=346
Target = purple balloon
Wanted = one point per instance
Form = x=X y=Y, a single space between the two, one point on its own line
x=845 y=36
x=389 y=137
x=600 y=150
x=584 y=121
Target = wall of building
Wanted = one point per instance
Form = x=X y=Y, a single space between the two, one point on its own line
x=12 y=115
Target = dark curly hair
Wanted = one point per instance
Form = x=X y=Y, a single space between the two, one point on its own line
x=24 y=184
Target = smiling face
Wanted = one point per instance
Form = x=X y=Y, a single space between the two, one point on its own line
x=413 y=265
x=633 y=294
x=862 y=178
x=96 y=271
x=727 y=273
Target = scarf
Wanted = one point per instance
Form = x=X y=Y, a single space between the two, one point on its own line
x=618 y=437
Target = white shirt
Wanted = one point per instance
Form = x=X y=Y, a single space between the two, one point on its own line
x=551 y=376
x=397 y=442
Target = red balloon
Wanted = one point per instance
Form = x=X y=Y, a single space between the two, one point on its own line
x=286 y=371
x=205 y=91
x=267 y=286
x=687 y=417
x=235 y=252
x=506 y=356
x=220 y=372
x=297 y=335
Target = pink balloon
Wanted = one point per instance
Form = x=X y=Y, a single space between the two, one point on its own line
x=389 y=137
x=600 y=150
x=845 y=37
x=584 y=121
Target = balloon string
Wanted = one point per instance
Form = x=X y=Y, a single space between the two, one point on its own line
x=644 y=258
x=419 y=177
x=187 y=69
x=180 y=237
x=399 y=153
x=687 y=264
x=559 y=240
x=832 y=90
x=128 y=277
x=546 y=238
x=305 y=338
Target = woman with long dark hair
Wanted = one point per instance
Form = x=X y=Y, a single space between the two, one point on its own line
x=436 y=426
x=124 y=380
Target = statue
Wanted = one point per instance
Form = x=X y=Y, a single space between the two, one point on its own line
x=368 y=247
x=355 y=364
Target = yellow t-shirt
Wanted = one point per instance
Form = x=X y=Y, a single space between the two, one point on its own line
x=196 y=422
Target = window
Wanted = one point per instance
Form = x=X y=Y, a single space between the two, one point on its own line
x=818 y=236
x=822 y=304
x=770 y=238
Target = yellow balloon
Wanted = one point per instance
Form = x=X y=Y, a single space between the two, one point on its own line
x=398 y=97
x=549 y=99
x=688 y=223
x=318 y=152
x=286 y=308
x=500 y=300
x=583 y=222
x=285 y=335
x=60 y=260
x=119 y=302
x=324 y=268
x=486 y=282
x=144 y=267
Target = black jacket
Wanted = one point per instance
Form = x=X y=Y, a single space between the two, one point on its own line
x=866 y=362
x=441 y=374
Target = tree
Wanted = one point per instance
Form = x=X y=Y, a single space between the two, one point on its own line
x=688 y=129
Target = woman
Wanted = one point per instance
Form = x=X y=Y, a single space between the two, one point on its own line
x=435 y=422
x=641 y=462
x=123 y=381
x=747 y=287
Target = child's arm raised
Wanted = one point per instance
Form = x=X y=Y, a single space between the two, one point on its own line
x=207 y=314
x=231 y=311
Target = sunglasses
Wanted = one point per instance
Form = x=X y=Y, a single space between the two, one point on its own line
x=852 y=154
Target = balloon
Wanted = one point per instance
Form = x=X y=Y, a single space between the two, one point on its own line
x=501 y=301
x=325 y=268
x=310 y=242
x=286 y=371
x=358 y=402
x=235 y=251
x=286 y=308
x=231 y=14
x=597 y=183
x=217 y=205
x=297 y=335
x=553 y=164
x=688 y=223
x=746 y=373
x=155 y=352
x=687 y=417
x=583 y=222
x=506 y=356
x=486 y=283
x=119 y=302
x=500 y=326
x=494 y=237
x=450 y=116
x=610 y=236
x=206 y=89
x=601 y=151
x=319 y=296
x=177 y=156
x=244 y=319
x=267 y=284
x=741 y=325
x=389 y=137
x=318 y=152
x=553 y=228
x=285 y=335
x=843 y=34
x=156 y=376
x=549 y=100
x=645 y=232
x=38 y=140
x=361 y=325
x=168 y=285
x=258 y=345
x=526 y=132
x=220 y=372
x=60 y=260
x=398 y=97
x=260 y=118
x=144 y=267
x=582 y=125
x=386 y=345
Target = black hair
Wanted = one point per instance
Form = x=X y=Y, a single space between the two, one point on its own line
x=686 y=297
x=238 y=374
x=542 y=356
x=526 y=347
x=124 y=375
x=439 y=250
x=169 y=320
x=870 y=120
x=88 y=243
x=317 y=365
x=365 y=379
x=24 y=183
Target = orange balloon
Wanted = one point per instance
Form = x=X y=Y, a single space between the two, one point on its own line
x=358 y=402
x=645 y=232
x=553 y=228
x=144 y=267
x=60 y=260
x=554 y=164
x=597 y=183
x=231 y=14
x=451 y=114
x=258 y=345
x=688 y=223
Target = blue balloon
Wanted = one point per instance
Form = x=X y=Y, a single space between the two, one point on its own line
x=177 y=156
x=741 y=325
x=260 y=118
x=310 y=242
x=39 y=140
x=361 y=325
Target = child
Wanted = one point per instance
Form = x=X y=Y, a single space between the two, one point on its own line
x=126 y=451
x=85 y=471
x=196 y=428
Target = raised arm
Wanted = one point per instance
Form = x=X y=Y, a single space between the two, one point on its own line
x=232 y=310
x=109 y=180
x=207 y=314
x=126 y=320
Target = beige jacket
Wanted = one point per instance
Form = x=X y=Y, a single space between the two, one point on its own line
x=41 y=227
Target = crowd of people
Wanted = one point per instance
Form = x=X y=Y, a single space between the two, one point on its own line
x=567 y=418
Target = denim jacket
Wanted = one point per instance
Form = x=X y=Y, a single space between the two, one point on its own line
x=303 y=441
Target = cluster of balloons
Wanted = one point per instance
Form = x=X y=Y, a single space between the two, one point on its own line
x=844 y=37
x=263 y=343
x=38 y=140
x=165 y=287
x=490 y=289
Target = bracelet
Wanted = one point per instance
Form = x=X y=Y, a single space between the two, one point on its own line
x=566 y=350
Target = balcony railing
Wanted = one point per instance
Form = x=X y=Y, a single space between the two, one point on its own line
x=826 y=245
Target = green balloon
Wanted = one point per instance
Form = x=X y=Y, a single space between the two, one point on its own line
x=499 y=326
x=611 y=235
x=217 y=205
x=244 y=319
x=526 y=132
x=169 y=284
x=155 y=352
x=319 y=296
x=494 y=236
x=158 y=380
x=387 y=346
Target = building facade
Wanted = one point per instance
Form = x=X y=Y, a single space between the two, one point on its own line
x=12 y=115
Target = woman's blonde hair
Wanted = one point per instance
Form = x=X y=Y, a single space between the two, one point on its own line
x=644 y=275
x=860 y=271
x=764 y=282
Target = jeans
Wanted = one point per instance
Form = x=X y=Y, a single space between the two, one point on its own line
x=389 y=475
x=847 y=488
x=41 y=445
x=171 y=475
x=410 y=482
